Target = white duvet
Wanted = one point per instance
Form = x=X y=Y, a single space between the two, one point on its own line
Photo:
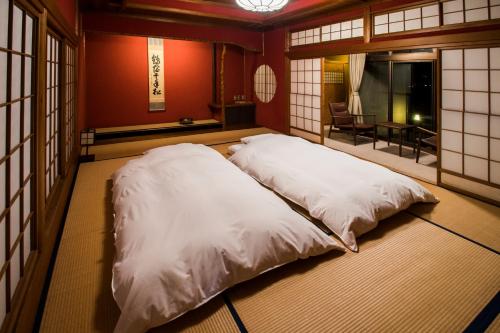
x=347 y=194
x=190 y=224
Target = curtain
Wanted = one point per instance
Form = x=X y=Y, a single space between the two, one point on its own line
x=356 y=68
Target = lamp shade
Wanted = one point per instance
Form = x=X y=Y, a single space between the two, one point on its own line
x=262 y=5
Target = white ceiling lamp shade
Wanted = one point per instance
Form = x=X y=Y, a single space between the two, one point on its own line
x=262 y=5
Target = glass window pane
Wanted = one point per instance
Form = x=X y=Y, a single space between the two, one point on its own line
x=17 y=29
x=16 y=77
x=3 y=76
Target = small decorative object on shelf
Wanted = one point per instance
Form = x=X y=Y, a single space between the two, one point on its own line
x=87 y=138
x=186 y=121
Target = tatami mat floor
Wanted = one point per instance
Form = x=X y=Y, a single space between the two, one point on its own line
x=409 y=275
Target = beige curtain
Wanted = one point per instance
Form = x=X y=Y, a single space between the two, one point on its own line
x=356 y=68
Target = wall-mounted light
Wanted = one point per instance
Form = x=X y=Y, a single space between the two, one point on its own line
x=87 y=138
x=416 y=118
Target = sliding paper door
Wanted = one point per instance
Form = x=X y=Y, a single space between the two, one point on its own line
x=470 y=120
x=305 y=98
x=17 y=99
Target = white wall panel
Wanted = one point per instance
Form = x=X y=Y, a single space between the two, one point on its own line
x=476 y=58
x=451 y=141
x=452 y=100
x=451 y=161
x=476 y=124
x=452 y=79
x=452 y=59
x=495 y=127
x=451 y=120
x=495 y=149
x=476 y=101
x=476 y=145
x=495 y=172
x=476 y=167
x=476 y=80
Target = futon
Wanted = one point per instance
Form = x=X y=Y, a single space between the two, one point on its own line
x=189 y=224
x=347 y=194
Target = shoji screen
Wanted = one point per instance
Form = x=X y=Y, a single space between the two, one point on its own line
x=69 y=103
x=17 y=61
x=52 y=116
x=305 y=97
x=470 y=119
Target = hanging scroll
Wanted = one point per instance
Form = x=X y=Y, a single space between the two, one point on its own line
x=156 y=78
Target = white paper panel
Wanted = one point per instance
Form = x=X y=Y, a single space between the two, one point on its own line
x=3 y=76
x=476 y=124
x=495 y=80
x=27 y=243
x=15 y=273
x=452 y=79
x=432 y=10
x=476 y=15
x=301 y=65
x=495 y=127
x=309 y=40
x=28 y=43
x=380 y=19
x=476 y=145
x=476 y=167
x=495 y=12
x=451 y=120
x=345 y=34
x=3 y=132
x=27 y=159
x=308 y=125
x=346 y=25
x=335 y=36
x=293 y=121
x=3 y=292
x=316 y=102
x=453 y=18
x=15 y=172
x=476 y=58
x=2 y=185
x=4 y=25
x=27 y=200
x=413 y=24
x=15 y=217
x=412 y=14
x=294 y=64
x=476 y=80
x=429 y=22
x=2 y=254
x=316 y=114
x=452 y=6
x=358 y=32
x=357 y=23
x=15 y=124
x=495 y=149
x=16 y=77
x=451 y=141
x=470 y=4
x=476 y=102
x=395 y=17
x=451 y=161
x=27 y=76
x=17 y=29
x=495 y=172
x=381 y=29
x=452 y=100
x=335 y=27
x=452 y=59
x=396 y=27
x=300 y=123
x=316 y=127
x=495 y=103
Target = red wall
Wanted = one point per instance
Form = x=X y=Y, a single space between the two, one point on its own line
x=117 y=80
x=68 y=11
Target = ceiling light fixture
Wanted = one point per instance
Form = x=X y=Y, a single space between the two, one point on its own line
x=262 y=5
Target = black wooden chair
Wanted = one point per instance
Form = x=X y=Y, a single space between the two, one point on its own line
x=425 y=138
x=344 y=121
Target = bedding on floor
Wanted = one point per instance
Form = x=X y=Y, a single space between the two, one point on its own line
x=347 y=194
x=189 y=224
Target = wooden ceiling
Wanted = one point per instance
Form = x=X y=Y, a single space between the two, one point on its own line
x=217 y=12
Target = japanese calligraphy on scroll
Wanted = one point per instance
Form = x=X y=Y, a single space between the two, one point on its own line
x=156 y=78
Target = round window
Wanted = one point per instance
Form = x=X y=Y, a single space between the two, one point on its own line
x=265 y=83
